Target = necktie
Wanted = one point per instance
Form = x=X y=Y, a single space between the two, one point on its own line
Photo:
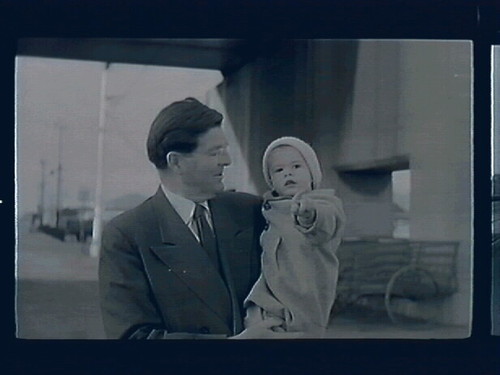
x=208 y=242
x=207 y=238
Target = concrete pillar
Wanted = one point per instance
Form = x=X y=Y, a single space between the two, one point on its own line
x=435 y=108
x=355 y=117
x=265 y=100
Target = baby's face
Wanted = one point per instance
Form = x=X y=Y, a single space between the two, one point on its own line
x=288 y=171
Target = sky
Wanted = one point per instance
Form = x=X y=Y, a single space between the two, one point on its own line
x=61 y=98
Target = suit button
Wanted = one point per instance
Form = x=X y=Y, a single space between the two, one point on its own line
x=266 y=227
x=267 y=206
x=204 y=330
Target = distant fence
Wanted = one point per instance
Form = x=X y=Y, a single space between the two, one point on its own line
x=76 y=222
x=54 y=232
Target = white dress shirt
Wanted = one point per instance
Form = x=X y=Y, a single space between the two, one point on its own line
x=185 y=209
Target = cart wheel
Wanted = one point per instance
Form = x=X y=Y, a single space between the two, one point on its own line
x=411 y=283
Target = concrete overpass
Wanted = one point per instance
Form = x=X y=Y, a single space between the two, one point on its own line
x=226 y=55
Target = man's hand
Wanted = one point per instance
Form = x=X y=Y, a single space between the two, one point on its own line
x=303 y=210
x=263 y=330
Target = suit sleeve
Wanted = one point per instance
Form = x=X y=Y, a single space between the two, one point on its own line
x=125 y=294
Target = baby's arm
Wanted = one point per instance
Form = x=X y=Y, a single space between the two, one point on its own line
x=319 y=215
x=304 y=211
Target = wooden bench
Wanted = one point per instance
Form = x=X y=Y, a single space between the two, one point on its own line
x=395 y=269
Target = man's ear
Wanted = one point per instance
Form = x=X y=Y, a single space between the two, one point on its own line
x=173 y=160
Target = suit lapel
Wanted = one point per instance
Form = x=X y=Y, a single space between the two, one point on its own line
x=184 y=256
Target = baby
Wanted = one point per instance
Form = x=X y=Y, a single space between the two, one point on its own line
x=304 y=228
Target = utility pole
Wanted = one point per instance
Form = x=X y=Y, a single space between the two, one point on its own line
x=42 y=192
x=60 y=129
x=95 y=246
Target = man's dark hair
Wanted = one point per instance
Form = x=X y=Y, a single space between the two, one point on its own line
x=178 y=127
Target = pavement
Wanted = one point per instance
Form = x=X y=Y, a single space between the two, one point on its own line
x=363 y=323
x=56 y=289
x=57 y=298
x=42 y=257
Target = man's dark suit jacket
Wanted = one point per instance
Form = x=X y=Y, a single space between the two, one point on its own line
x=156 y=281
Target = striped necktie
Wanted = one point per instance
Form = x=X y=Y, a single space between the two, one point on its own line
x=205 y=234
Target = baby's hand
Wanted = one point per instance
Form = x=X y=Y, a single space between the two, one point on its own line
x=303 y=210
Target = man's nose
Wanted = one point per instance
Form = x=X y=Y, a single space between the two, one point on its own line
x=224 y=158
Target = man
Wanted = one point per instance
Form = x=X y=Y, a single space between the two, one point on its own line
x=180 y=264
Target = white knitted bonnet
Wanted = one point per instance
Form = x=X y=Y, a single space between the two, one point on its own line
x=305 y=150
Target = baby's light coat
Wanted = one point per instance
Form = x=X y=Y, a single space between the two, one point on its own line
x=299 y=266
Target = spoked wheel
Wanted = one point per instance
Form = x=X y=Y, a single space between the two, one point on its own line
x=410 y=283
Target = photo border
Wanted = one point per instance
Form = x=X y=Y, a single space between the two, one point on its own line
x=291 y=19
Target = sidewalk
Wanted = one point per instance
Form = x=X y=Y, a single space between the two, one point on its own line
x=57 y=290
x=42 y=257
x=57 y=298
x=356 y=323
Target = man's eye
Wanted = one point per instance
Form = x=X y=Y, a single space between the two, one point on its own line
x=278 y=170
x=296 y=166
x=216 y=152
